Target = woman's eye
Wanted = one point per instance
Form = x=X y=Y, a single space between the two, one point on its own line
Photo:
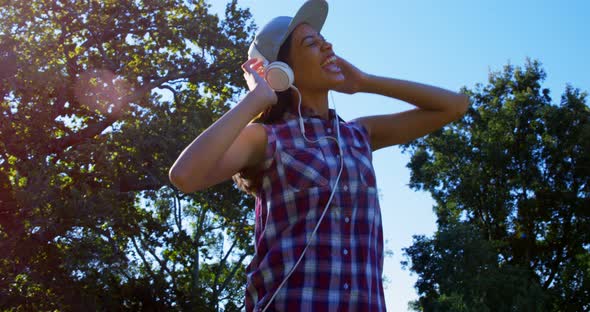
x=317 y=41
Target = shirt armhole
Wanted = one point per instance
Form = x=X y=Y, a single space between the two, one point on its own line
x=363 y=131
x=271 y=146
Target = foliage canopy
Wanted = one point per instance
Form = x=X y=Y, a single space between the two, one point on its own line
x=97 y=99
x=511 y=186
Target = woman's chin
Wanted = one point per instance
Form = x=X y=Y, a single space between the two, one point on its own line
x=326 y=80
x=336 y=76
x=336 y=80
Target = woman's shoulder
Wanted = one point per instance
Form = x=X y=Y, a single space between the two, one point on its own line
x=282 y=129
x=359 y=128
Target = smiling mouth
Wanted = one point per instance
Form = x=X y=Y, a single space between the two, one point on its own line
x=330 y=60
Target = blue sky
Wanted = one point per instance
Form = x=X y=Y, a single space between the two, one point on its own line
x=448 y=44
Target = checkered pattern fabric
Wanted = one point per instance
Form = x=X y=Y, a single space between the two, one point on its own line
x=342 y=268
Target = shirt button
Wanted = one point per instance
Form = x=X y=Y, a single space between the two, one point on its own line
x=345 y=285
x=329 y=130
x=345 y=251
x=345 y=188
x=347 y=219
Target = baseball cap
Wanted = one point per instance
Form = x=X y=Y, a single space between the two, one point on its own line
x=269 y=39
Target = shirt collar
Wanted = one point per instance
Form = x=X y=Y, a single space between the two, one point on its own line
x=306 y=112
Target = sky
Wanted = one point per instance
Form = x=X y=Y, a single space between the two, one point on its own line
x=448 y=44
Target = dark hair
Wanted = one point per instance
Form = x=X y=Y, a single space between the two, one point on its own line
x=248 y=180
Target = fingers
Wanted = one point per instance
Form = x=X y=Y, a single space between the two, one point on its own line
x=259 y=68
x=253 y=72
x=253 y=66
x=340 y=61
x=246 y=67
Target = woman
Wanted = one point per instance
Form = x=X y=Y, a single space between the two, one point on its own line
x=318 y=234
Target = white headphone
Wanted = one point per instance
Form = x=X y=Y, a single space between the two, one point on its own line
x=278 y=74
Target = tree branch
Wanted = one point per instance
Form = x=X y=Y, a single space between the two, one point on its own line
x=145 y=263
x=156 y=83
x=222 y=262
x=174 y=95
x=177 y=206
x=163 y=265
x=196 y=282
x=232 y=273
x=112 y=66
x=59 y=145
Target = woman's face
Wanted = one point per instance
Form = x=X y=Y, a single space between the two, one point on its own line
x=313 y=61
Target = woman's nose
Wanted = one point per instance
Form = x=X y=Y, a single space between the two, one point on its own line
x=327 y=45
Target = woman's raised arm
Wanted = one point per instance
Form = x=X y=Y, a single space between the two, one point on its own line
x=435 y=107
x=228 y=145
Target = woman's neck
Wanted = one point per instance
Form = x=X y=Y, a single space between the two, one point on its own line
x=317 y=102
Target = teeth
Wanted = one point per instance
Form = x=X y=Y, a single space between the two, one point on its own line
x=331 y=59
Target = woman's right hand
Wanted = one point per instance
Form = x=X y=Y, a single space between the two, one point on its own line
x=253 y=73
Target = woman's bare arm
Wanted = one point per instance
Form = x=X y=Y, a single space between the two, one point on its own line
x=228 y=145
x=436 y=107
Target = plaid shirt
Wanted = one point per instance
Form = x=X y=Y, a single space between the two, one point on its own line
x=342 y=268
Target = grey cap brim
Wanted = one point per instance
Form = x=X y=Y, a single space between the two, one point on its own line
x=271 y=37
x=313 y=12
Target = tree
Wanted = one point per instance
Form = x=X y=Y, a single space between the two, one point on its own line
x=511 y=186
x=98 y=98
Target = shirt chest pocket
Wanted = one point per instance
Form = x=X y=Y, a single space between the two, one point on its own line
x=304 y=168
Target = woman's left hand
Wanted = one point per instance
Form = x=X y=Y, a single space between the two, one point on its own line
x=354 y=78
